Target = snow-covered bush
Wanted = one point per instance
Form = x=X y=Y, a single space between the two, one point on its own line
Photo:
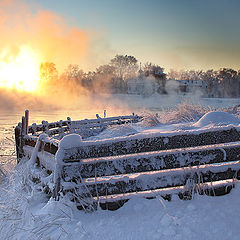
x=185 y=112
x=150 y=119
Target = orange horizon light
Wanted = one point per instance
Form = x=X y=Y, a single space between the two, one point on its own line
x=20 y=72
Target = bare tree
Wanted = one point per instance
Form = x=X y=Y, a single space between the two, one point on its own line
x=125 y=66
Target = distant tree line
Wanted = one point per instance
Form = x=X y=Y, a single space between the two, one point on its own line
x=224 y=82
x=114 y=76
x=110 y=78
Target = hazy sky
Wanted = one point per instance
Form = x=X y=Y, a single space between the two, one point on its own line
x=200 y=34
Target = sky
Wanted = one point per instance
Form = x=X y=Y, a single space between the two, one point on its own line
x=186 y=34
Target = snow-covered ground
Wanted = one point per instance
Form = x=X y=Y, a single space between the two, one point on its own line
x=29 y=215
x=26 y=213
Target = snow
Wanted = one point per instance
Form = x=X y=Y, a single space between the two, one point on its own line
x=116 y=131
x=26 y=213
x=29 y=215
x=70 y=141
x=42 y=137
x=217 y=118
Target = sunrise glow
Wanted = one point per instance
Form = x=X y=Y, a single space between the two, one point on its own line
x=19 y=71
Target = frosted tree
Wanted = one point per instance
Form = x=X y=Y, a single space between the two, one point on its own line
x=125 y=66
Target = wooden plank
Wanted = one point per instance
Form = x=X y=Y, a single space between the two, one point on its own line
x=50 y=147
x=216 y=188
x=114 y=202
x=45 y=161
x=40 y=127
x=30 y=141
x=158 y=160
x=138 y=144
x=127 y=183
x=86 y=122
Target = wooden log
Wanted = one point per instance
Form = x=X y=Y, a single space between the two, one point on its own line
x=155 y=180
x=144 y=162
x=138 y=144
x=50 y=147
x=18 y=143
x=23 y=132
x=26 y=121
x=30 y=141
x=113 y=202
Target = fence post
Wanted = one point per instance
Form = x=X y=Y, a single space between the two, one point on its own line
x=23 y=133
x=26 y=121
x=18 y=130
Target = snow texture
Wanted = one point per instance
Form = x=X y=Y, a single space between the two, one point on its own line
x=71 y=140
x=28 y=214
x=42 y=137
x=216 y=118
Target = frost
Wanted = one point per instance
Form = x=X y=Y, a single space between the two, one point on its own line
x=165 y=140
x=42 y=137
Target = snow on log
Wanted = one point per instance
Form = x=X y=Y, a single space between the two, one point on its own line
x=150 y=142
x=142 y=162
x=154 y=180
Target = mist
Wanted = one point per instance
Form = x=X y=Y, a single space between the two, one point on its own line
x=51 y=39
x=45 y=32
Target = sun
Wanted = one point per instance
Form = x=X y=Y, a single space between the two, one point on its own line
x=20 y=71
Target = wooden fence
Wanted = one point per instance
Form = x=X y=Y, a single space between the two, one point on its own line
x=110 y=172
x=85 y=128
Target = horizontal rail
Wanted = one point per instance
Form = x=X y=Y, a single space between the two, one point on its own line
x=113 y=202
x=89 y=123
x=144 y=143
x=127 y=183
x=202 y=187
x=50 y=147
x=143 y=162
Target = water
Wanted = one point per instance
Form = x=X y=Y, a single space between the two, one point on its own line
x=120 y=104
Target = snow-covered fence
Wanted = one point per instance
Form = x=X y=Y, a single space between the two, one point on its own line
x=109 y=172
x=86 y=127
x=27 y=135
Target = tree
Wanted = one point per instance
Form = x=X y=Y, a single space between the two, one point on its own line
x=212 y=80
x=103 y=79
x=125 y=66
x=71 y=78
x=74 y=73
x=87 y=81
x=48 y=73
x=230 y=82
x=156 y=71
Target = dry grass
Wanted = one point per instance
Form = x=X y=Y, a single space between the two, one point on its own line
x=185 y=112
